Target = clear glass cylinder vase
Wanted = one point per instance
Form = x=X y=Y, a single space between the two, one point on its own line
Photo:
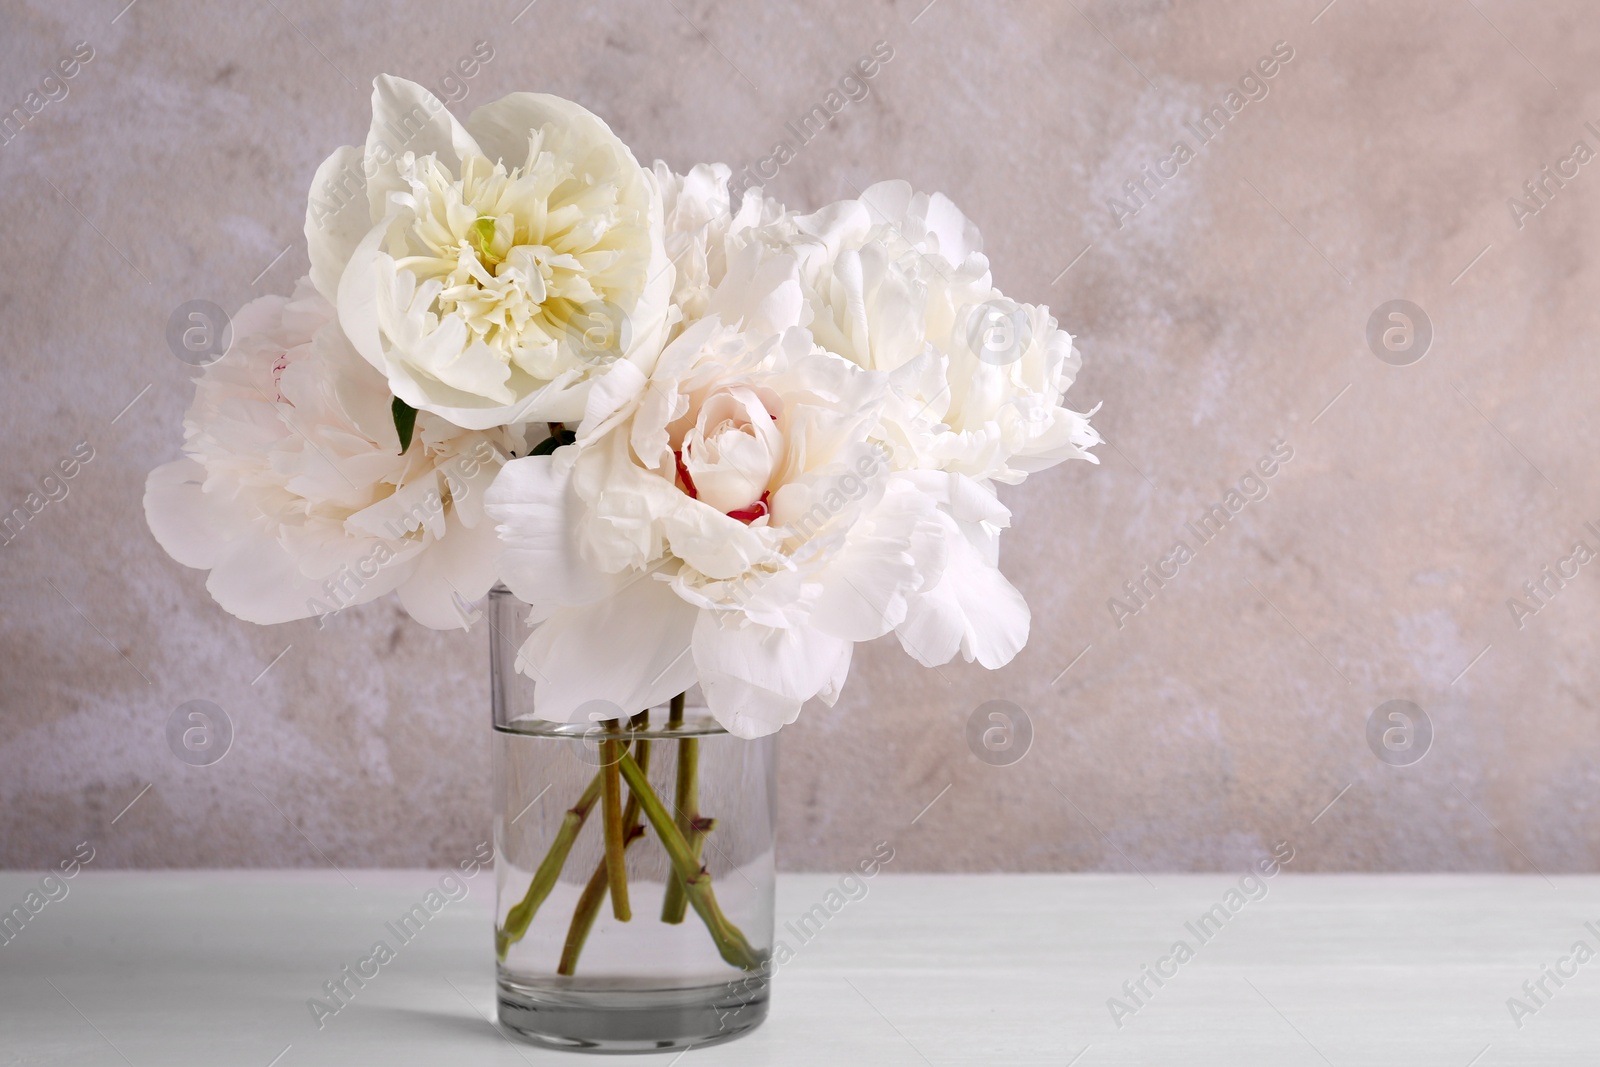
x=689 y=810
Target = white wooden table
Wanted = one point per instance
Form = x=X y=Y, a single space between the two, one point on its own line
x=215 y=968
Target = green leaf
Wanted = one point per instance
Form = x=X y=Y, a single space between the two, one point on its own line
x=550 y=444
x=405 y=421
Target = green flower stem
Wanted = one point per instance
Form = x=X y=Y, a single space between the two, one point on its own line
x=687 y=802
x=730 y=940
x=588 y=909
x=699 y=827
x=611 y=752
x=544 y=879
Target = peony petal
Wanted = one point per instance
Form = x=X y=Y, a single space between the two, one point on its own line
x=361 y=314
x=649 y=320
x=746 y=710
x=966 y=500
x=359 y=390
x=839 y=225
x=973 y=609
x=756 y=678
x=420 y=504
x=957 y=235
x=337 y=218
x=533 y=501
x=888 y=202
x=503 y=128
x=357 y=302
x=457 y=569
x=631 y=649
x=841 y=670
x=192 y=525
x=257 y=580
x=761 y=298
x=258 y=322
x=408 y=118
x=889 y=553
x=610 y=398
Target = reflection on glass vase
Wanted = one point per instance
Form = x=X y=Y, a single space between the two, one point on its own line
x=633 y=867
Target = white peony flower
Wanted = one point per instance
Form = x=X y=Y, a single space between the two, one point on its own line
x=701 y=230
x=492 y=270
x=724 y=520
x=294 y=493
x=898 y=283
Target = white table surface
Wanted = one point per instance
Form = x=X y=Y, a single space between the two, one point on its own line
x=173 y=969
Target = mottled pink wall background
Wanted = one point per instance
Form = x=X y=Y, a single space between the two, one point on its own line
x=1229 y=312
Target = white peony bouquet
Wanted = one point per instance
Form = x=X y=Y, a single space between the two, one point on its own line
x=705 y=442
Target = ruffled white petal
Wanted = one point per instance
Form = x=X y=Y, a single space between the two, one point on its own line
x=457 y=571
x=536 y=506
x=973 y=609
x=631 y=649
x=502 y=128
x=896 y=281
x=252 y=575
x=756 y=678
x=177 y=511
x=891 y=552
x=337 y=217
x=407 y=118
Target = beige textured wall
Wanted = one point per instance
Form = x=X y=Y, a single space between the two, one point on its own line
x=1228 y=313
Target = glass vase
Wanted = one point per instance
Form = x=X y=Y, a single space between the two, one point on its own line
x=634 y=868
